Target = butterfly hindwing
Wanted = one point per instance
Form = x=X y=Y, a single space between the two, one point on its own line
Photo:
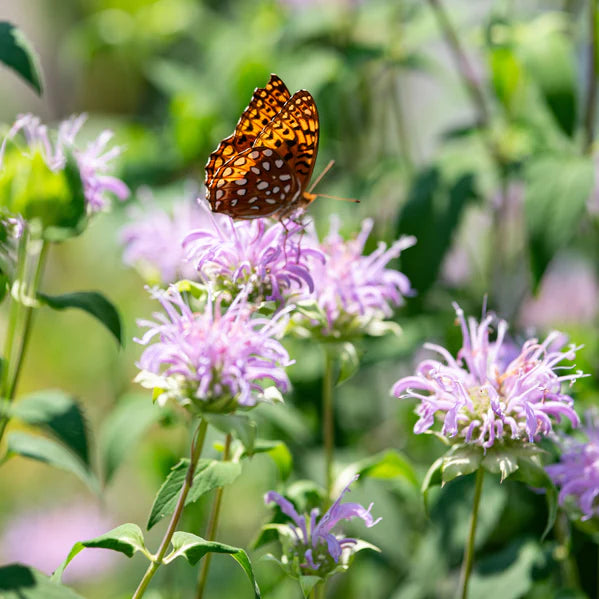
x=265 y=104
x=254 y=183
x=293 y=134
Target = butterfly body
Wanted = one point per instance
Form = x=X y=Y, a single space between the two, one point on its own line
x=264 y=167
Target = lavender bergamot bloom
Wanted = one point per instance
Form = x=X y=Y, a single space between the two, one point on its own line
x=577 y=472
x=153 y=240
x=310 y=547
x=263 y=258
x=354 y=293
x=93 y=161
x=492 y=393
x=215 y=359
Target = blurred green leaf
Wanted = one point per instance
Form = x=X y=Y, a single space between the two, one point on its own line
x=241 y=425
x=18 y=54
x=432 y=478
x=386 y=465
x=349 y=362
x=59 y=412
x=123 y=428
x=278 y=452
x=24 y=582
x=507 y=76
x=93 y=303
x=557 y=189
x=209 y=475
x=194 y=548
x=307 y=583
x=48 y=451
x=432 y=213
x=127 y=538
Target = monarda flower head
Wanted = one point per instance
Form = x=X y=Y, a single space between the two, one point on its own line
x=354 y=293
x=93 y=161
x=153 y=241
x=577 y=472
x=214 y=360
x=263 y=258
x=492 y=393
x=310 y=547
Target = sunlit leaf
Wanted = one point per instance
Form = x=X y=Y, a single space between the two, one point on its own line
x=17 y=53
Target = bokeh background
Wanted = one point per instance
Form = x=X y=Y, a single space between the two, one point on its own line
x=488 y=161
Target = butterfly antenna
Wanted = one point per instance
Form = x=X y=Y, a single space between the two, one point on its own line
x=323 y=195
x=327 y=168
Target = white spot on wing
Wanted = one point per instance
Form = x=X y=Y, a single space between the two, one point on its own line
x=270 y=201
x=241 y=181
x=255 y=170
x=252 y=200
x=284 y=177
x=266 y=165
x=219 y=194
x=278 y=163
x=233 y=203
x=241 y=192
x=275 y=189
x=268 y=152
x=253 y=155
x=262 y=185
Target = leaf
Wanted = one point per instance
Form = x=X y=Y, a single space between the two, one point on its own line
x=557 y=189
x=278 y=452
x=431 y=479
x=385 y=465
x=18 y=54
x=93 y=303
x=124 y=427
x=61 y=414
x=348 y=362
x=240 y=424
x=127 y=539
x=194 y=548
x=307 y=583
x=48 y=451
x=432 y=213
x=24 y=582
x=209 y=474
x=507 y=77
x=460 y=461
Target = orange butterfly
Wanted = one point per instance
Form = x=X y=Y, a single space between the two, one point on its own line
x=264 y=167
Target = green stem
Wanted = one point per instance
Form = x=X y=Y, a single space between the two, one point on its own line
x=568 y=566
x=196 y=450
x=29 y=311
x=469 y=552
x=591 y=96
x=212 y=526
x=328 y=427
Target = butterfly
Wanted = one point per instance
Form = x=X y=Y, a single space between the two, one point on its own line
x=264 y=167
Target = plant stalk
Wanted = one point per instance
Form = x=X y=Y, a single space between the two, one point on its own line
x=591 y=95
x=328 y=423
x=469 y=552
x=196 y=450
x=212 y=526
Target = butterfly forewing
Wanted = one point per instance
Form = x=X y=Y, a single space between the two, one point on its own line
x=293 y=134
x=255 y=183
x=265 y=104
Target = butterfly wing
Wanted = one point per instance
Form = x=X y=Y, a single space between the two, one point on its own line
x=265 y=104
x=293 y=134
x=255 y=183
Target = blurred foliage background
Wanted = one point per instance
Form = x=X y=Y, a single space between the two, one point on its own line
x=469 y=125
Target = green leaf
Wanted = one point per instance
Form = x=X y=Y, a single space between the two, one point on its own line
x=209 y=475
x=93 y=303
x=18 y=54
x=194 y=548
x=431 y=479
x=124 y=427
x=60 y=413
x=127 y=539
x=24 y=582
x=307 y=583
x=460 y=461
x=500 y=461
x=278 y=452
x=52 y=453
x=385 y=465
x=557 y=189
x=348 y=362
x=241 y=425
x=507 y=77
x=432 y=213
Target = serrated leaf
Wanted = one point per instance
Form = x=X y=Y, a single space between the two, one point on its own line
x=348 y=362
x=92 y=302
x=18 y=54
x=123 y=428
x=209 y=475
x=48 y=451
x=127 y=538
x=194 y=548
x=18 y=581
x=60 y=413
x=557 y=190
x=460 y=461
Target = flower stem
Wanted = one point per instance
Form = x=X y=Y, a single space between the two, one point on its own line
x=196 y=450
x=328 y=428
x=469 y=552
x=20 y=317
x=212 y=526
x=568 y=566
x=591 y=95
